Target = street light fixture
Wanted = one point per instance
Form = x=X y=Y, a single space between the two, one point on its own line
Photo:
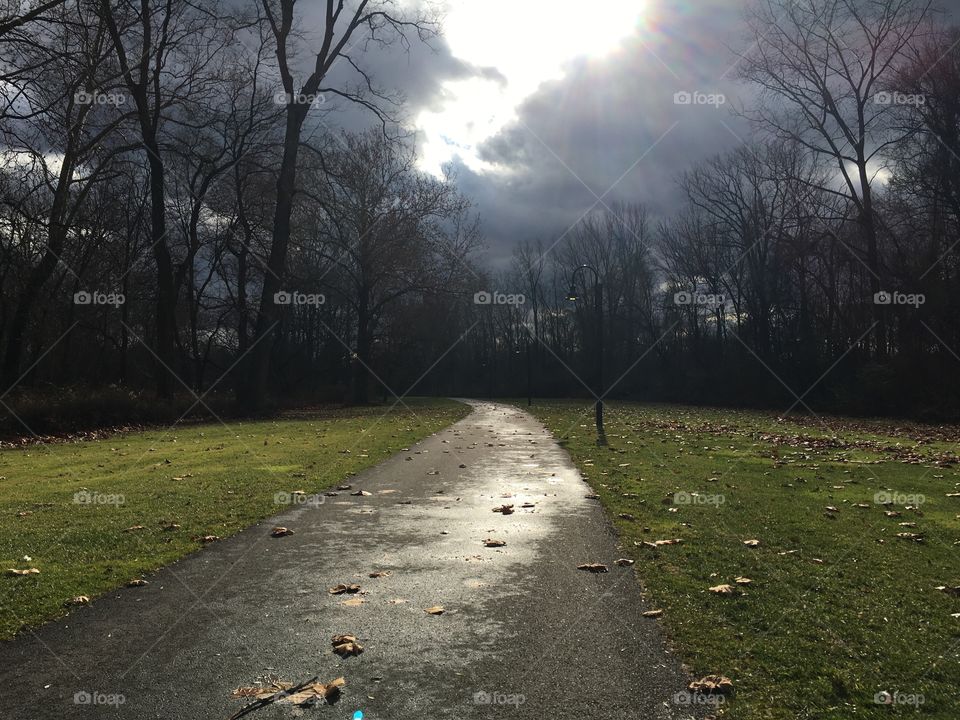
x=598 y=309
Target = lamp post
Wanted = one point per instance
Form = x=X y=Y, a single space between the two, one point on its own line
x=598 y=309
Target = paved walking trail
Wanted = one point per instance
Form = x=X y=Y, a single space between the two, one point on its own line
x=521 y=622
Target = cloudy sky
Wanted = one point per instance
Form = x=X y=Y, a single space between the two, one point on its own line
x=547 y=109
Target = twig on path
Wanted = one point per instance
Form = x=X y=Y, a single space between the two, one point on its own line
x=279 y=695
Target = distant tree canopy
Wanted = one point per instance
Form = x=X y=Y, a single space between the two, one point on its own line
x=175 y=220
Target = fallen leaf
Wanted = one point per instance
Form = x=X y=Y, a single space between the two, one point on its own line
x=280 y=531
x=723 y=589
x=504 y=509
x=955 y=591
x=892 y=514
x=627 y=516
x=624 y=562
x=831 y=508
x=593 y=567
x=658 y=543
x=170 y=527
x=361 y=493
x=353 y=602
x=380 y=574
x=528 y=505
x=490 y=542
x=346 y=645
x=317 y=691
x=30 y=571
x=592 y=496
x=915 y=537
x=207 y=538
x=435 y=610
x=742 y=580
x=711 y=684
x=751 y=543
x=79 y=600
x=133 y=528
x=137 y=582
x=653 y=613
x=342 y=588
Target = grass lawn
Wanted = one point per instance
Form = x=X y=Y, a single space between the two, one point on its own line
x=839 y=608
x=71 y=508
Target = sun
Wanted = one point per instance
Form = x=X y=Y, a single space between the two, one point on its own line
x=528 y=42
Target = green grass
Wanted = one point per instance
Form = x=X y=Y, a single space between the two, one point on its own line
x=850 y=611
x=228 y=479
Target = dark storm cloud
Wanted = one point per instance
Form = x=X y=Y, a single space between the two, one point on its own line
x=610 y=127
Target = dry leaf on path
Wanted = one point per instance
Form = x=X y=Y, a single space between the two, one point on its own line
x=346 y=645
x=342 y=588
x=504 y=509
x=353 y=602
x=361 y=493
x=623 y=562
x=137 y=582
x=380 y=574
x=280 y=531
x=593 y=567
x=490 y=542
x=653 y=613
x=435 y=610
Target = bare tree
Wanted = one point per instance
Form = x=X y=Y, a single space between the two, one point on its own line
x=342 y=29
x=822 y=67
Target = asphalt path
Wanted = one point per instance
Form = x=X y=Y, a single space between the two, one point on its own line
x=524 y=633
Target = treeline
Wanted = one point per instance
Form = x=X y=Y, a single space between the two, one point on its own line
x=181 y=219
x=815 y=267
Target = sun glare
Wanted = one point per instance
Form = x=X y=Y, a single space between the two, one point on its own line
x=528 y=42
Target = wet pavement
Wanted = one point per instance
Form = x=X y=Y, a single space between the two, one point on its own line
x=524 y=633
